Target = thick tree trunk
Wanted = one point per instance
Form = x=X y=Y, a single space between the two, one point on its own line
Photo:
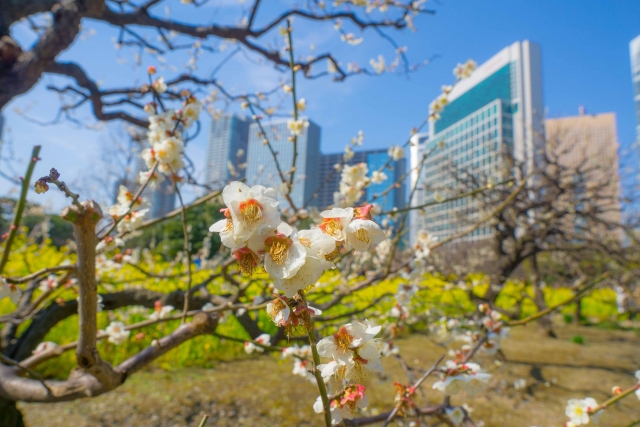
x=10 y=415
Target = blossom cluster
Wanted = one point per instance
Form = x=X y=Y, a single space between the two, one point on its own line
x=253 y=230
x=165 y=136
x=461 y=71
x=459 y=377
x=354 y=351
x=345 y=406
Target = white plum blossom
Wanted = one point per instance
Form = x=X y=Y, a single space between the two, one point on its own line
x=226 y=230
x=161 y=311
x=335 y=221
x=353 y=180
x=301 y=368
x=250 y=347
x=296 y=127
x=396 y=153
x=354 y=351
x=388 y=348
x=44 y=346
x=378 y=177
x=190 y=113
x=467 y=377
x=159 y=85
x=423 y=242
x=405 y=293
x=463 y=71
x=301 y=104
x=109 y=243
x=117 y=333
x=249 y=208
x=9 y=290
x=362 y=233
x=346 y=406
x=379 y=65
x=351 y=39
x=48 y=284
x=168 y=150
x=132 y=221
x=282 y=316
x=295 y=350
x=578 y=410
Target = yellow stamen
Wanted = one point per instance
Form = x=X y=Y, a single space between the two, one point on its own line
x=362 y=235
x=332 y=227
x=279 y=251
x=343 y=339
x=251 y=210
x=247 y=263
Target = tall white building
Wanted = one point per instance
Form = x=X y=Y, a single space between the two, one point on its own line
x=227 y=154
x=261 y=167
x=494 y=115
x=634 y=50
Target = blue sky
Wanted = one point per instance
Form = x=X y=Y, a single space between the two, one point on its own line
x=585 y=54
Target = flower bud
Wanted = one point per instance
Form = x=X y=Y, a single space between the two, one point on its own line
x=151 y=70
x=41 y=186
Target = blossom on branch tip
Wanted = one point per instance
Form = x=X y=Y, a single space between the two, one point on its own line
x=578 y=410
x=296 y=127
x=346 y=405
x=463 y=71
x=44 y=346
x=378 y=177
x=250 y=347
x=161 y=311
x=159 y=85
x=48 y=284
x=41 y=186
x=466 y=377
x=396 y=153
x=117 y=333
x=9 y=290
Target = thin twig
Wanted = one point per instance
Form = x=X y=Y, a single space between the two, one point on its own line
x=185 y=231
x=17 y=217
x=40 y=273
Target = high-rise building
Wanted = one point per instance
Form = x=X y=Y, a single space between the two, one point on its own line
x=416 y=151
x=227 y=154
x=261 y=167
x=588 y=145
x=493 y=115
x=329 y=178
x=634 y=50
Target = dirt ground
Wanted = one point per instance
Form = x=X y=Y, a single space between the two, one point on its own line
x=263 y=392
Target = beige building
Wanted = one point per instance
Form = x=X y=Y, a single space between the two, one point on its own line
x=585 y=148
